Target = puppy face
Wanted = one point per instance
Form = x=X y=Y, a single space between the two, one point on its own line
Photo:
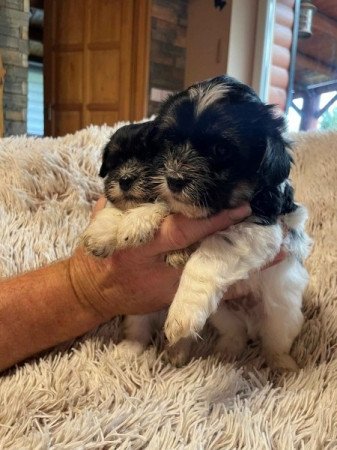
x=219 y=145
x=128 y=166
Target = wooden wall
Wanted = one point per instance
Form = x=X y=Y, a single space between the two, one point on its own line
x=279 y=76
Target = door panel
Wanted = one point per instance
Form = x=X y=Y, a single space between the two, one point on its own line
x=67 y=121
x=99 y=117
x=96 y=58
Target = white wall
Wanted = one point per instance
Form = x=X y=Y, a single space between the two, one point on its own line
x=207 y=40
x=220 y=42
x=242 y=40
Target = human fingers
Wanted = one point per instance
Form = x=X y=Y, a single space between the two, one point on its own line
x=100 y=204
x=177 y=232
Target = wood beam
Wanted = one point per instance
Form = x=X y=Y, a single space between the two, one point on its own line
x=309 y=110
x=325 y=25
x=306 y=62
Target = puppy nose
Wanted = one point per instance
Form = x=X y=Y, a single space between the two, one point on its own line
x=126 y=182
x=176 y=184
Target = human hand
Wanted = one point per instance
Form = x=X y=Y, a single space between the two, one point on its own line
x=137 y=280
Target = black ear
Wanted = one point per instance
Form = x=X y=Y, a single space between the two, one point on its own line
x=276 y=162
x=106 y=161
x=104 y=167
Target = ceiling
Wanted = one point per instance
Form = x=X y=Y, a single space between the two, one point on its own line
x=316 y=62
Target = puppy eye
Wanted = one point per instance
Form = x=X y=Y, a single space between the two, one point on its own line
x=219 y=150
x=223 y=175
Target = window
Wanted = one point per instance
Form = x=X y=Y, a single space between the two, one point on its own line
x=35 y=122
x=314 y=100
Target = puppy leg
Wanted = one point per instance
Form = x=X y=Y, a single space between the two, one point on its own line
x=179 y=353
x=283 y=287
x=219 y=262
x=232 y=332
x=100 y=238
x=179 y=258
x=138 y=331
x=139 y=224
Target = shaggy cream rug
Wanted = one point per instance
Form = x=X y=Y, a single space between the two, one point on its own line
x=86 y=395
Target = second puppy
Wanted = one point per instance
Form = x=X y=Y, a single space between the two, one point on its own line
x=131 y=216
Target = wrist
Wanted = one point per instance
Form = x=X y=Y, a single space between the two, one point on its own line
x=86 y=276
x=39 y=310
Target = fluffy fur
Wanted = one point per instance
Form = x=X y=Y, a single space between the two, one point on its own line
x=212 y=147
x=128 y=171
x=224 y=146
x=131 y=216
x=87 y=394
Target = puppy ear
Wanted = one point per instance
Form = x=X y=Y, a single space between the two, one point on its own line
x=106 y=161
x=276 y=162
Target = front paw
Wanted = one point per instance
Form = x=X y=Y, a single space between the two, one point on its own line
x=282 y=362
x=100 y=238
x=129 y=348
x=179 y=354
x=177 y=258
x=183 y=321
x=139 y=225
x=98 y=243
x=134 y=234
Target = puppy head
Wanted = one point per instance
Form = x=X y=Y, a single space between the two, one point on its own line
x=127 y=166
x=219 y=144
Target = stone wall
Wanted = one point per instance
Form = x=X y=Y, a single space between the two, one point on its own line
x=168 y=48
x=14 y=17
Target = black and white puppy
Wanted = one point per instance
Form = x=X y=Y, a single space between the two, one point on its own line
x=130 y=217
x=220 y=146
x=214 y=146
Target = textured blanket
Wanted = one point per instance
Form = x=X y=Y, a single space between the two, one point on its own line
x=88 y=395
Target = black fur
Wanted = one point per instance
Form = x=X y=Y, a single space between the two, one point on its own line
x=128 y=158
x=128 y=141
x=235 y=141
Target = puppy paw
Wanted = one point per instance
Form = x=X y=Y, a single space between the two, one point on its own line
x=230 y=346
x=183 y=321
x=179 y=354
x=130 y=348
x=134 y=234
x=100 y=238
x=177 y=258
x=283 y=362
x=98 y=242
x=139 y=225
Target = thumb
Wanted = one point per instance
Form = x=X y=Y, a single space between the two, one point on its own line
x=177 y=232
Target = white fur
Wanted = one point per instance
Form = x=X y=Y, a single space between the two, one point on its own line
x=138 y=225
x=113 y=229
x=138 y=331
x=270 y=307
x=219 y=262
x=207 y=96
x=272 y=298
x=100 y=238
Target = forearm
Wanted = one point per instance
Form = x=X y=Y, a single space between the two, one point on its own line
x=38 y=310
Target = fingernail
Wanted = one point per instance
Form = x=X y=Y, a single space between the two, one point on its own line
x=240 y=213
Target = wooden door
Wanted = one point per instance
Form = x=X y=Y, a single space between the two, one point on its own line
x=95 y=62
